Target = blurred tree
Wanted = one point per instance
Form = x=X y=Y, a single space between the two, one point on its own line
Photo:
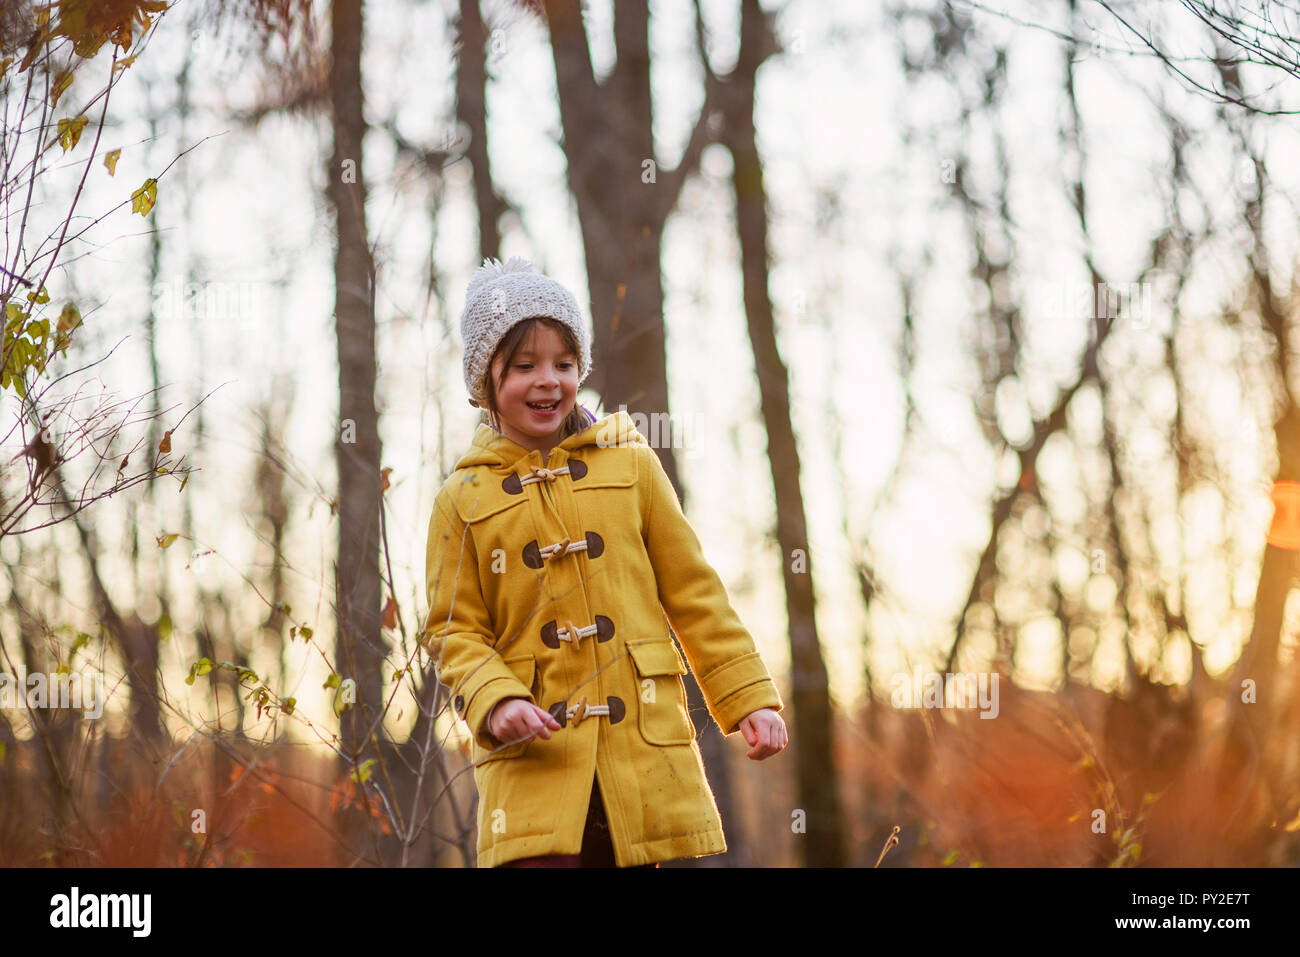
x=309 y=81
x=812 y=730
x=361 y=646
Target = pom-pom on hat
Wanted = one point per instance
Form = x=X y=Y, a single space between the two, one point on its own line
x=501 y=295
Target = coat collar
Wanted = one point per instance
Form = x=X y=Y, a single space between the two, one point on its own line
x=501 y=454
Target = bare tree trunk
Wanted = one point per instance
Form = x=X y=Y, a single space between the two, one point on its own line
x=814 y=734
x=360 y=643
x=471 y=110
x=274 y=506
x=1260 y=736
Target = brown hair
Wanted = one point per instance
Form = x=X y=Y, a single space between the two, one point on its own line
x=509 y=346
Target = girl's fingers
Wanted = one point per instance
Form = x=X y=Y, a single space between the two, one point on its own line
x=547 y=718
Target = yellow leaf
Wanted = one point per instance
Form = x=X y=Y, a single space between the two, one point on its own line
x=124 y=63
x=142 y=199
x=61 y=83
x=37 y=41
x=1293 y=826
x=69 y=318
x=165 y=540
x=70 y=131
x=41 y=296
x=110 y=161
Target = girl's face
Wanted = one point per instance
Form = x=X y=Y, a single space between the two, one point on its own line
x=544 y=373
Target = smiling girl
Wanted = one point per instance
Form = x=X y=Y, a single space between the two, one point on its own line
x=559 y=566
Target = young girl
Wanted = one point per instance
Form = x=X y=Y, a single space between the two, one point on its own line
x=555 y=549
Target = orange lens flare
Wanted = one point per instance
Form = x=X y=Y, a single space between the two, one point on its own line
x=1284 y=532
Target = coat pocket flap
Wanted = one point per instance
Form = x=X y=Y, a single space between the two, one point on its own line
x=608 y=469
x=655 y=657
x=477 y=500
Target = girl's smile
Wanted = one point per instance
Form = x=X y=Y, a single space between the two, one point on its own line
x=539 y=391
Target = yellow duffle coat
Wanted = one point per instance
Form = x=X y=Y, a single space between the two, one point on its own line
x=549 y=580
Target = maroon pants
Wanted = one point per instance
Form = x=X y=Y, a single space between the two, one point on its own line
x=597 y=851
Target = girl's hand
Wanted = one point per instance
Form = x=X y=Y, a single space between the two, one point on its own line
x=518 y=719
x=765 y=732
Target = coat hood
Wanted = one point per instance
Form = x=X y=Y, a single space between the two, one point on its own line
x=494 y=450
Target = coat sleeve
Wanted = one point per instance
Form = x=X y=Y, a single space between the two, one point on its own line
x=458 y=634
x=732 y=676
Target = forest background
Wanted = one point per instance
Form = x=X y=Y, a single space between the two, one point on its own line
x=964 y=330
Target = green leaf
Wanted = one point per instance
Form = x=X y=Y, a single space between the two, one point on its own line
x=78 y=643
x=200 y=667
x=361 y=773
x=333 y=681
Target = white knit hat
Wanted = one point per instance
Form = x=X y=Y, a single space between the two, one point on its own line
x=498 y=297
